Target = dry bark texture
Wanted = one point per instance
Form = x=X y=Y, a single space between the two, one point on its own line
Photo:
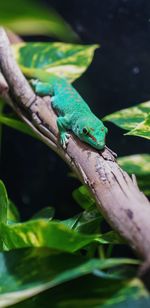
x=117 y=195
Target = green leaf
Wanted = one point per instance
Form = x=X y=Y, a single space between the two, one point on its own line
x=47 y=213
x=83 y=197
x=28 y=272
x=2 y=104
x=17 y=124
x=46 y=233
x=4 y=203
x=135 y=119
x=30 y=18
x=134 y=289
x=42 y=233
x=8 y=211
x=142 y=130
x=139 y=165
x=112 y=237
x=88 y=291
x=13 y=215
x=87 y=222
x=68 y=60
x=130 y=303
x=52 y=234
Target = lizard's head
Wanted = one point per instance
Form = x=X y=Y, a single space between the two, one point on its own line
x=92 y=132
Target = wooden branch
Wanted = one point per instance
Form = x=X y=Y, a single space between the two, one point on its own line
x=117 y=195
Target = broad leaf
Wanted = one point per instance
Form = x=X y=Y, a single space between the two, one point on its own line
x=27 y=17
x=134 y=289
x=83 y=197
x=13 y=215
x=88 y=292
x=52 y=234
x=87 y=222
x=8 y=211
x=142 y=130
x=46 y=212
x=112 y=237
x=135 y=119
x=131 y=303
x=140 y=166
x=27 y=272
x=67 y=60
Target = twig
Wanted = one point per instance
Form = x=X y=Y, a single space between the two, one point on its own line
x=117 y=196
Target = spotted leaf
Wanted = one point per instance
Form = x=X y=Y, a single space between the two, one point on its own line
x=67 y=60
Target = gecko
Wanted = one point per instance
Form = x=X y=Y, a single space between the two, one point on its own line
x=73 y=113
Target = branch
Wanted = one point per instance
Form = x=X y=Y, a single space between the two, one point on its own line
x=118 y=197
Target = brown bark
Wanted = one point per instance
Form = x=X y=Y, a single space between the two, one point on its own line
x=117 y=195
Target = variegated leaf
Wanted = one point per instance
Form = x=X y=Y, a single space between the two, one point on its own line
x=135 y=119
x=67 y=60
x=142 y=129
x=139 y=165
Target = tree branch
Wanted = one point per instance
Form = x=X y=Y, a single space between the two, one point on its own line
x=117 y=195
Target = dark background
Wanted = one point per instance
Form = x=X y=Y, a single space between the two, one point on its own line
x=118 y=77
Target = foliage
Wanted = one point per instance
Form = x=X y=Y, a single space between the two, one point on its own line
x=43 y=258
x=67 y=60
x=55 y=259
x=139 y=165
x=27 y=17
x=16 y=124
x=135 y=119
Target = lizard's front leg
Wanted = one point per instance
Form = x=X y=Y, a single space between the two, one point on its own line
x=63 y=123
x=42 y=88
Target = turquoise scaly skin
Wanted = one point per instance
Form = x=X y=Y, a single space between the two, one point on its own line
x=73 y=113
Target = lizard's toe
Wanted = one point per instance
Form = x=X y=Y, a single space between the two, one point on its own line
x=53 y=100
x=64 y=139
x=33 y=82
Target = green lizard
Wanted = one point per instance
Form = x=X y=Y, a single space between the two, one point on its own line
x=73 y=112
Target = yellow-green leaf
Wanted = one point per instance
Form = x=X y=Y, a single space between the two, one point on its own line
x=67 y=60
x=142 y=129
x=28 y=272
x=28 y=17
x=83 y=197
x=139 y=165
x=52 y=234
x=135 y=119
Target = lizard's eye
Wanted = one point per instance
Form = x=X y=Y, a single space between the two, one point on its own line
x=102 y=129
x=85 y=131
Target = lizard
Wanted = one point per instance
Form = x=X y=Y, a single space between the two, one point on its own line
x=73 y=112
